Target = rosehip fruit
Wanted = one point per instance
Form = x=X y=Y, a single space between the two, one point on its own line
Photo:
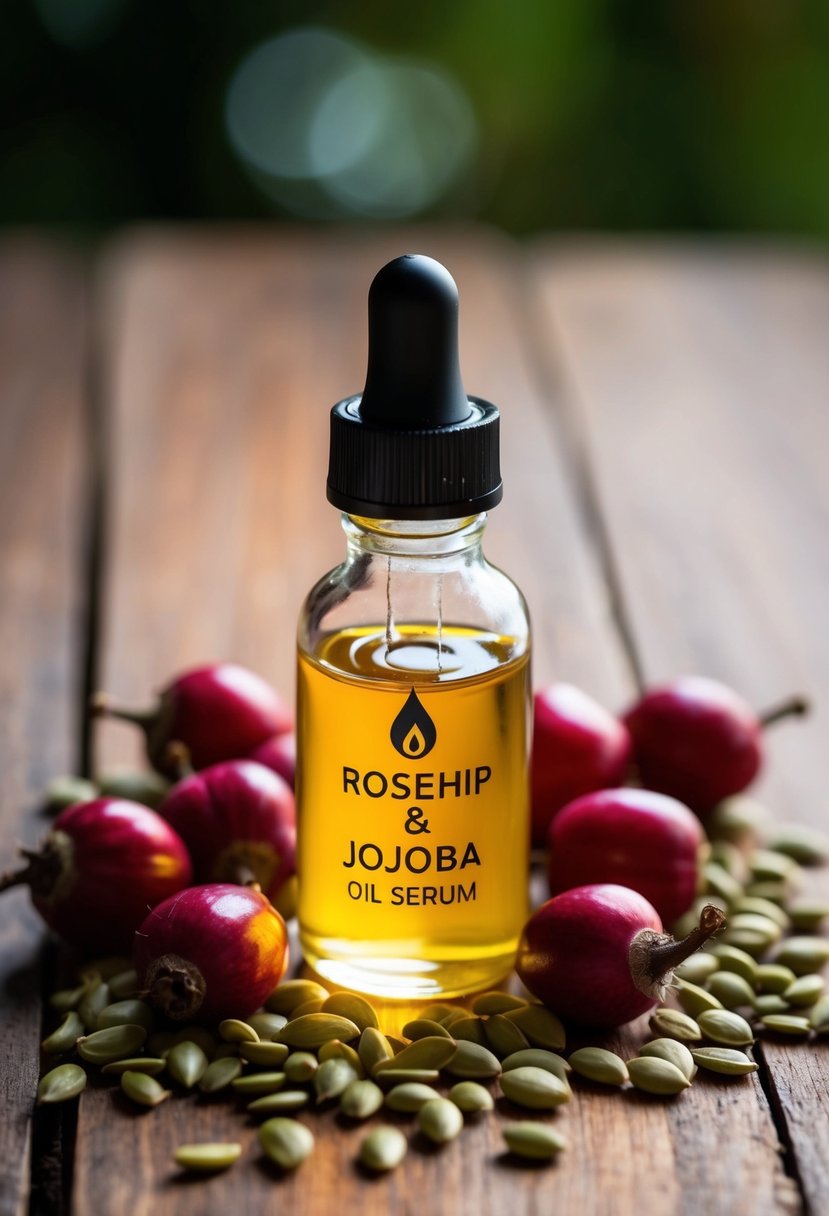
x=211 y=952
x=596 y=955
x=238 y=819
x=279 y=754
x=219 y=712
x=636 y=838
x=577 y=747
x=699 y=741
x=99 y=869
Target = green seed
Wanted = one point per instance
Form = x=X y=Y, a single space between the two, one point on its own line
x=399 y=1076
x=423 y=1028
x=534 y=1088
x=313 y=1029
x=142 y=1089
x=220 y=1074
x=62 y=1083
x=437 y=1012
x=777 y=892
x=725 y=1027
x=286 y=1142
x=124 y=985
x=332 y=1078
x=697 y=968
x=266 y=1025
x=455 y=1015
x=335 y=1050
x=471 y=1097
x=207 y=1158
x=146 y=788
x=807 y=917
x=187 y=1063
x=752 y=932
x=431 y=1052
x=695 y=1000
x=767 y=865
x=103 y=968
x=114 y=1043
x=762 y=907
x=127 y=1013
x=503 y=1036
x=66 y=999
x=292 y=993
x=724 y=1060
x=151 y=1065
x=472 y=1061
x=199 y=1035
x=598 y=1064
x=819 y=1016
x=383 y=1149
x=731 y=990
x=804 y=954
x=535 y=1141
x=739 y=819
x=805 y=845
x=272 y=1055
x=305 y=1008
x=730 y=958
x=536 y=1057
x=94 y=1000
x=470 y=1030
x=285 y=1100
x=724 y=853
x=373 y=1049
x=409 y=1097
x=770 y=1003
x=300 y=1066
x=440 y=1120
x=355 y=1008
x=540 y=1026
x=719 y=882
x=772 y=977
x=497 y=1002
x=361 y=1100
x=259 y=1083
x=674 y=1052
x=657 y=1076
x=805 y=990
x=786 y=1023
x=62 y=792
x=66 y=1035
x=232 y=1030
x=672 y=1024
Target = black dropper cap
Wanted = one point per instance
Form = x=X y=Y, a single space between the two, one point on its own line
x=414 y=446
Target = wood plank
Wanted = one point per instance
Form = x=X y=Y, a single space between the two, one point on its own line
x=42 y=498
x=229 y=352
x=700 y=376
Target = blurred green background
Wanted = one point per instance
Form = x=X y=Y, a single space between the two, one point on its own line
x=705 y=115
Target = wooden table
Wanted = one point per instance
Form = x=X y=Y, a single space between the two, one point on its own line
x=163 y=424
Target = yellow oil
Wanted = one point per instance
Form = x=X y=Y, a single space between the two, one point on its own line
x=413 y=808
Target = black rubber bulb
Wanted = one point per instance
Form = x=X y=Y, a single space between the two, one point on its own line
x=414 y=379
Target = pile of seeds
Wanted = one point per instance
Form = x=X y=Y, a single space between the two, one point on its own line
x=309 y=1047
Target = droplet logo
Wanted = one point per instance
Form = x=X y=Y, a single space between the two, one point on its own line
x=413 y=732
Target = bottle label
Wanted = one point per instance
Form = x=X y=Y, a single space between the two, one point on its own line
x=413 y=807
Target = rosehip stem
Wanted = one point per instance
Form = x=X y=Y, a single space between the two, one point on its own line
x=177 y=755
x=101 y=706
x=664 y=956
x=795 y=706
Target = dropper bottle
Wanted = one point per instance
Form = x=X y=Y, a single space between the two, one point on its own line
x=413 y=681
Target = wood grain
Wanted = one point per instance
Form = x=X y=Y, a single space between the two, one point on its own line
x=228 y=353
x=42 y=515
x=699 y=379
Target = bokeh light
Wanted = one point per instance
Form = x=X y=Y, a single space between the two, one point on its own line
x=328 y=127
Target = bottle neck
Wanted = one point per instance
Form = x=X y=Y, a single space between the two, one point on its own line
x=414 y=538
